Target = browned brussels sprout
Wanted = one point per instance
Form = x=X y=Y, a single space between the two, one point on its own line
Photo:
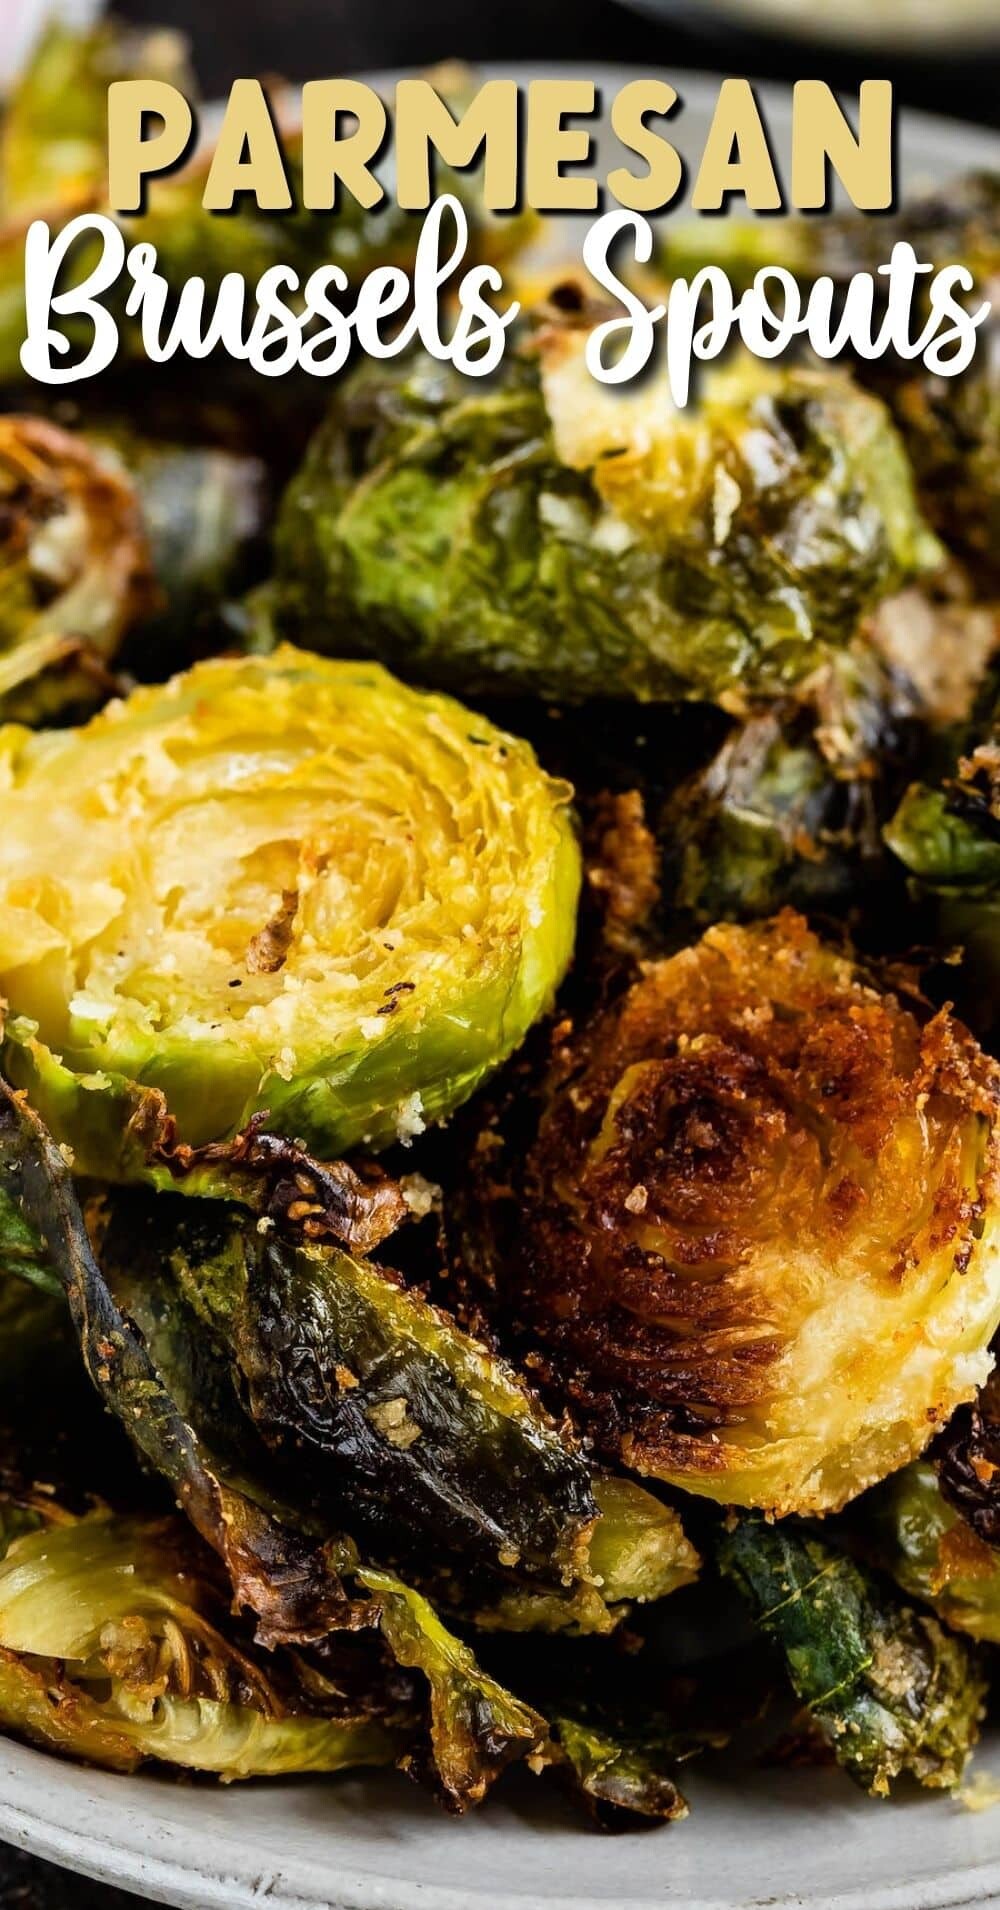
x=755 y=1243
x=891 y=1691
x=547 y=534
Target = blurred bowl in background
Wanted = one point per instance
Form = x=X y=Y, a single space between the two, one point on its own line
x=913 y=27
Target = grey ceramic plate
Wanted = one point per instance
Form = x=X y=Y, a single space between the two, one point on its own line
x=902 y=26
x=754 y=1838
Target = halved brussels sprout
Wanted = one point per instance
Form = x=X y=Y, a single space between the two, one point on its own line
x=932 y=1553
x=891 y=1691
x=111 y=1651
x=549 y=534
x=75 y=568
x=285 y=884
x=756 y=1239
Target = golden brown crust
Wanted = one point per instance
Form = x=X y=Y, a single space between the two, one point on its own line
x=755 y=1137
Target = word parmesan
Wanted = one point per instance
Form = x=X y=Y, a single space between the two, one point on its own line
x=533 y=143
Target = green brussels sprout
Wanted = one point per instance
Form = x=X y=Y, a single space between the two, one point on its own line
x=890 y=1689
x=75 y=569
x=548 y=534
x=932 y=1553
x=751 y=1237
x=111 y=1651
x=285 y=884
x=948 y=839
x=390 y=1422
x=788 y=810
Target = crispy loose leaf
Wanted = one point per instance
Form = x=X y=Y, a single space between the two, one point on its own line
x=476 y=1726
x=890 y=1689
x=388 y=1419
x=290 y=1583
x=111 y=1650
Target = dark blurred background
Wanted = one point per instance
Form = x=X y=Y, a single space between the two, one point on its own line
x=303 y=38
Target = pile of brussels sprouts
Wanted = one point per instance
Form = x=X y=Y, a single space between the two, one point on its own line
x=499 y=952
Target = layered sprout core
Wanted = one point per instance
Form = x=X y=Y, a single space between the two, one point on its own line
x=283 y=884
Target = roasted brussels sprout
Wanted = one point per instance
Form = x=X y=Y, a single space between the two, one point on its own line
x=75 y=569
x=948 y=839
x=932 y=1553
x=168 y=1377
x=890 y=1690
x=951 y=429
x=755 y=1242
x=548 y=534
x=967 y=1457
x=285 y=884
x=950 y=426
x=392 y=1423
x=111 y=1651
x=789 y=809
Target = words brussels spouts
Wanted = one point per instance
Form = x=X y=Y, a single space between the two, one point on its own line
x=536 y=148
